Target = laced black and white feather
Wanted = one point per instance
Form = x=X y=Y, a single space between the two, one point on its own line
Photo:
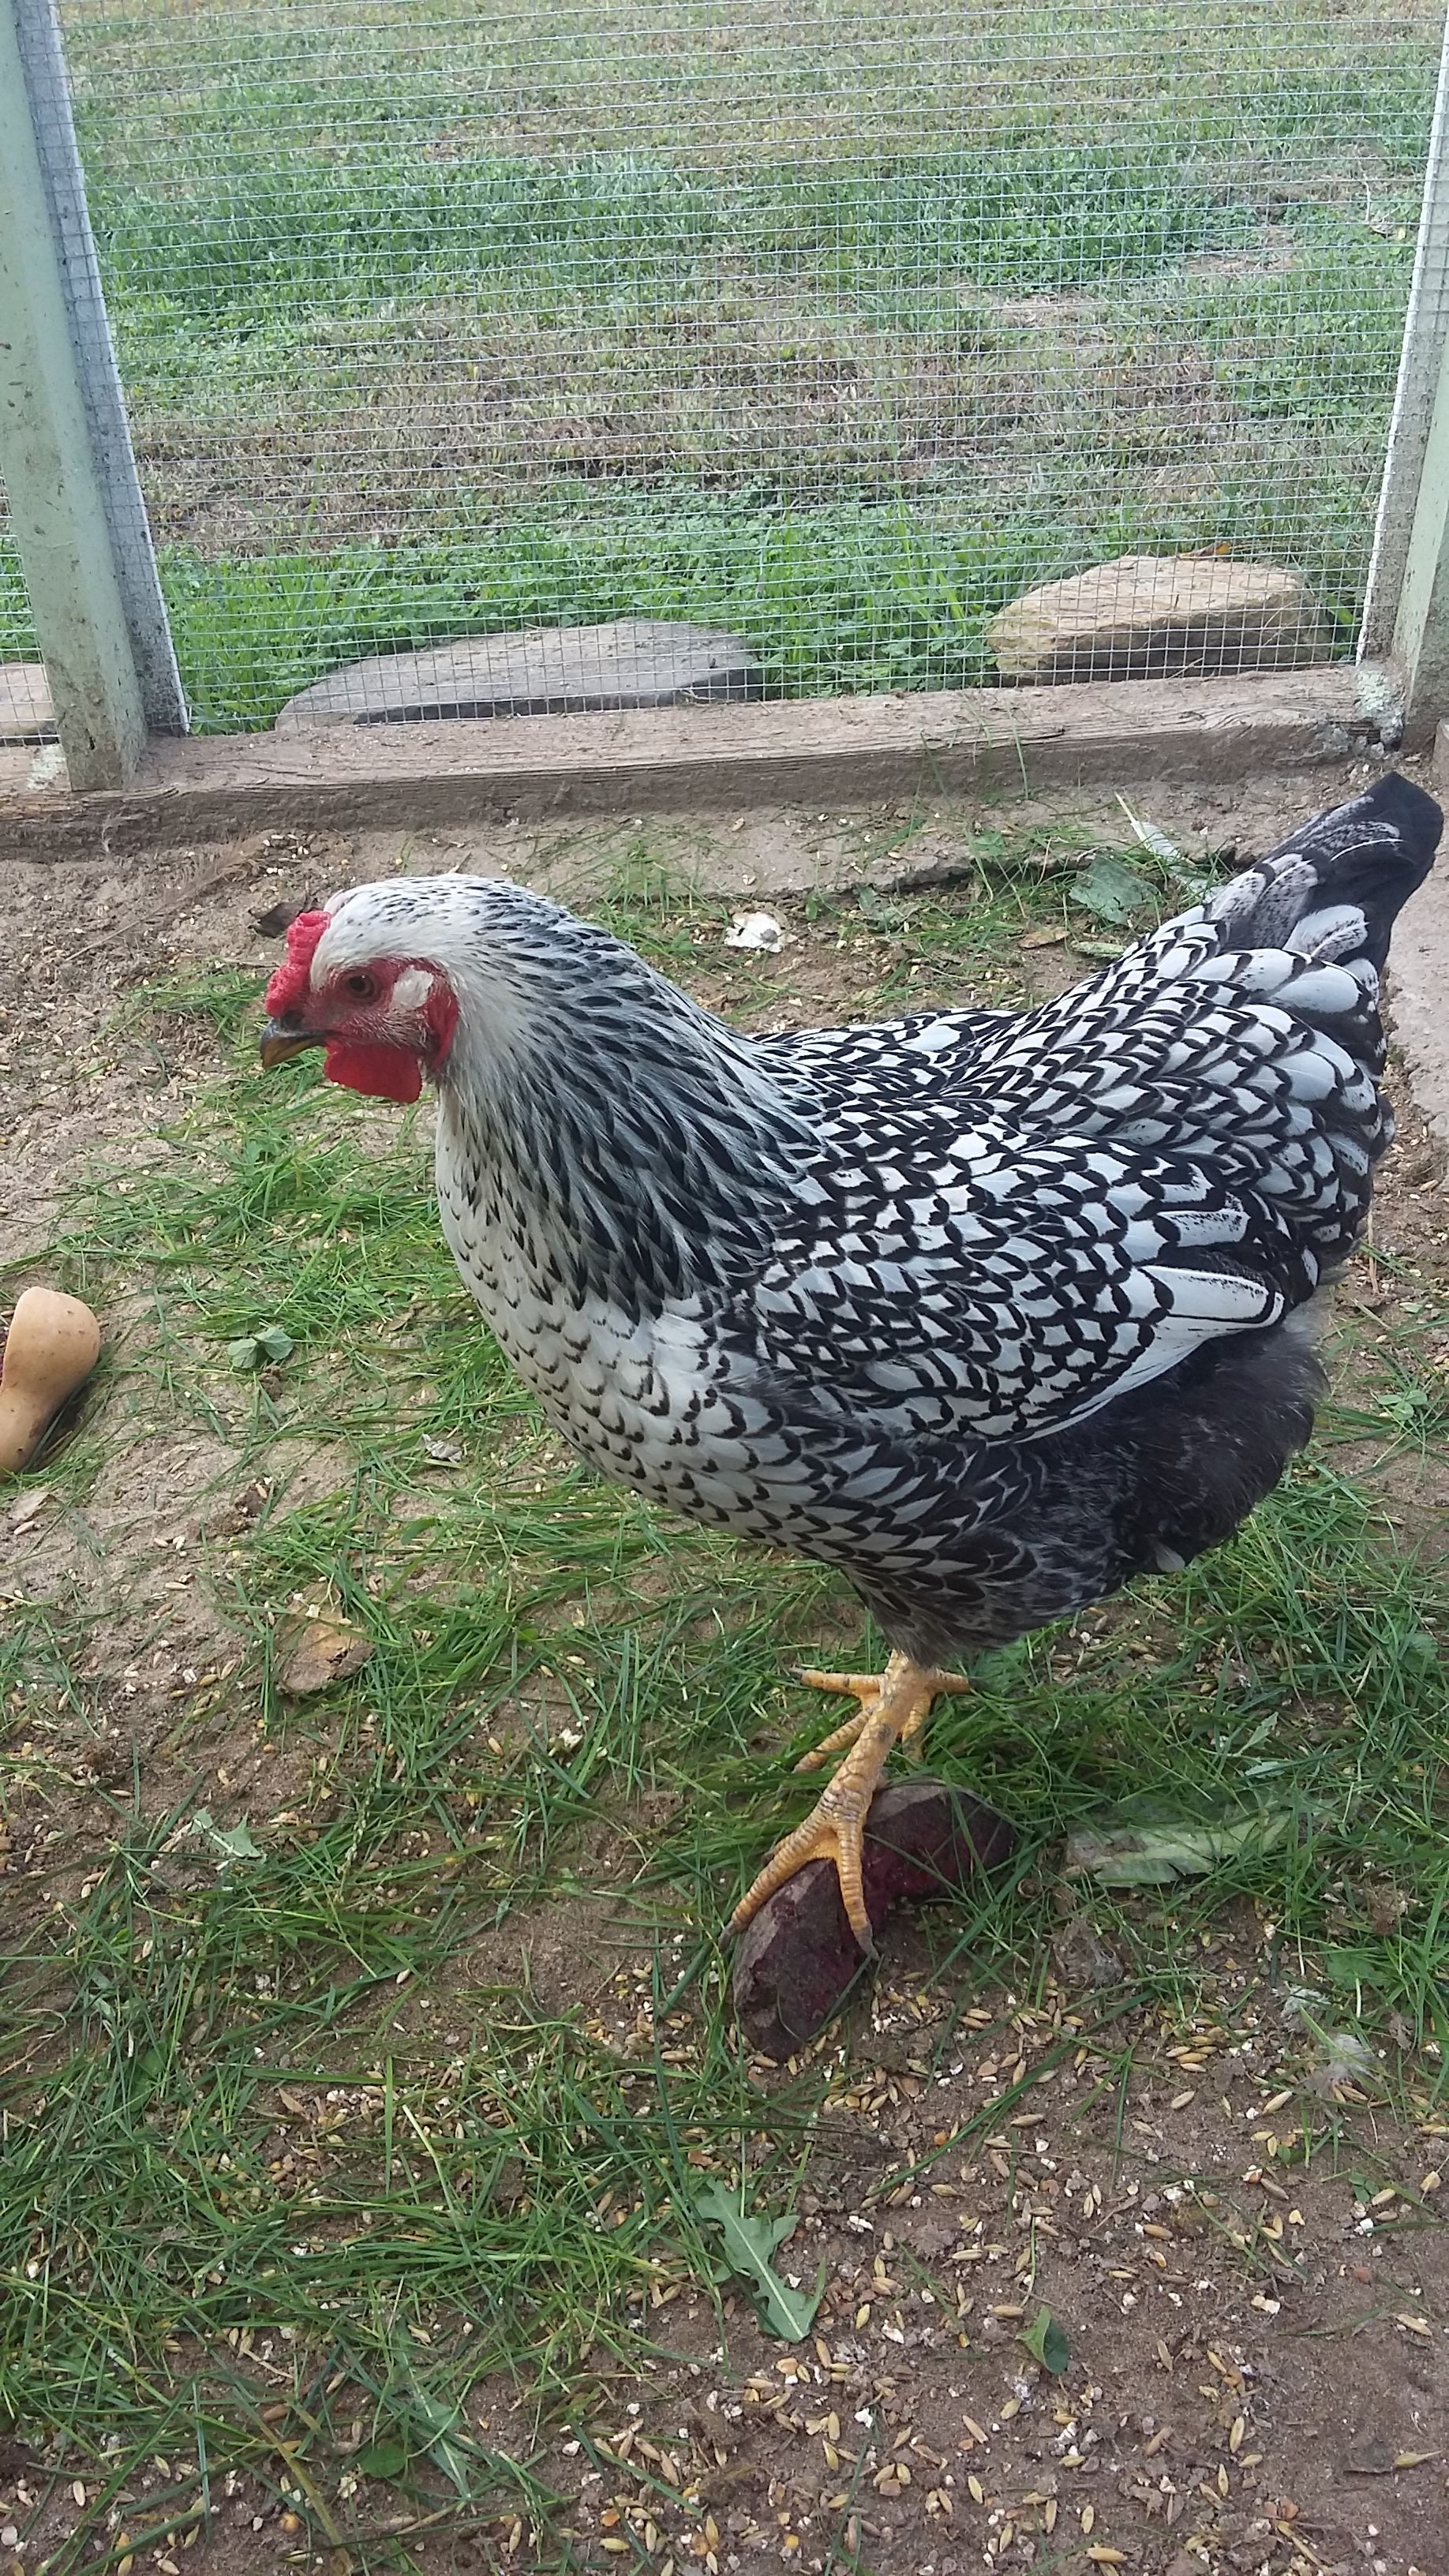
x=991 y=1309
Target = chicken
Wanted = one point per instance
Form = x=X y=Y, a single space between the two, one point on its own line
x=990 y=1310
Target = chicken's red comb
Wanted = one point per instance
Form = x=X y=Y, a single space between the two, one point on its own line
x=288 y=988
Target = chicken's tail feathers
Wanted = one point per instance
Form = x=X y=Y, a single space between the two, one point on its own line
x=1332 y=891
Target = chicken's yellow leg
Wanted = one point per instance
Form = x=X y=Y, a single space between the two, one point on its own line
x=894 y=1707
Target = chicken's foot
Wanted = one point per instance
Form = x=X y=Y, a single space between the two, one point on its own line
x=894 y=1707
x=866 y=1687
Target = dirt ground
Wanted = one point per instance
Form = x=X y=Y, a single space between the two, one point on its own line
x=1258 y=2371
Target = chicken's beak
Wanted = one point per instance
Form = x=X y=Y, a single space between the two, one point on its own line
x=278 y=1043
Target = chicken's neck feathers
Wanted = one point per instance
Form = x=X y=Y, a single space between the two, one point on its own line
x=632 y=1146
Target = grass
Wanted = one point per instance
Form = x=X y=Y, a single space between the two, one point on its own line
x=349 y=233
x=297 y=2176
x=460 y=326
x=855 y=596
x=849 y=597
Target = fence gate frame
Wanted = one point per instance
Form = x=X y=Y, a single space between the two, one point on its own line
x=65 y=448
x=1406 y=607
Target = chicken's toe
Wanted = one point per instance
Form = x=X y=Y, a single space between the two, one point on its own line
x=894 y=1707
x=828 y=1833
x=836 y=1742
x=861 y=1686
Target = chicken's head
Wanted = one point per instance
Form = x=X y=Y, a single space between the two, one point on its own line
x=385 y=1020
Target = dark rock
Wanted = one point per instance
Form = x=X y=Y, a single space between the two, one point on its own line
x=1371 y=2457
x=552 y=671
x=934 y=2236
x=244 y=1509
x=273 y=920
x=798 y=1959
x=1082 y=1959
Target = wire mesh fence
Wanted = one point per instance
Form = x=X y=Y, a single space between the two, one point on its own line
x=20 y=700
x=833 y=323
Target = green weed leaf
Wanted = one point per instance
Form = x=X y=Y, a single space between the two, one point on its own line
x=439 y=2428
x=254 y=1350
x=1149 y=1848
x=1111 y=891
x=234 y=1842
x=381 y=2460
x=438 y=2422
x=1046 y=2342
x=749 y=2244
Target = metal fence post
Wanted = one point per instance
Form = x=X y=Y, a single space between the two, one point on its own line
x=1406 y=611
x=65 y=449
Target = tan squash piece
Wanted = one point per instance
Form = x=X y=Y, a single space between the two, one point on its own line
x=51 y=1348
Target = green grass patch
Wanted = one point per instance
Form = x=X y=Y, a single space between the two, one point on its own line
x=851 y=596
x=17 y=626
x=346 y=233
x=1280 y=83
x=842 y=341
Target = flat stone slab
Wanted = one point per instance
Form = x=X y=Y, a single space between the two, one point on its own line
x=798 y=1959
x=541 y=671
x=1155 y=616
x=26 y=714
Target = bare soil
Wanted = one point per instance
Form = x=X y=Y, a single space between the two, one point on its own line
x=1258 y=2371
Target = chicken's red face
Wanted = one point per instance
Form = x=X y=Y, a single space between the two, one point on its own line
x=384 y=1024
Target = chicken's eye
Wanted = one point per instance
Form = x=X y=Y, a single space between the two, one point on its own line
x=362 y=986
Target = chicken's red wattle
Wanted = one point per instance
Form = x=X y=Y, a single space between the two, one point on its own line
x=388 y=1072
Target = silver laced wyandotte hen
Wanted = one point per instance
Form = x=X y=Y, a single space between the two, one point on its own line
x=991 y=1310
